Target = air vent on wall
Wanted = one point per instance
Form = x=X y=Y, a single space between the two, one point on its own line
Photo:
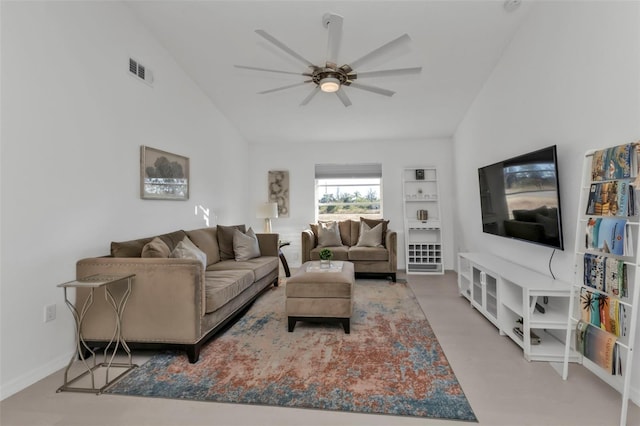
x=138 y=70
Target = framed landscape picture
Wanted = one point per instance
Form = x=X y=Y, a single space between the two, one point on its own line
x=163 y=175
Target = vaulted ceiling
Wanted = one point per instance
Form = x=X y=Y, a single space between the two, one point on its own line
x=457 y=44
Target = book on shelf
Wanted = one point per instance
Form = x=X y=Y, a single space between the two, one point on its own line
x=609 y=235
x=598 y=346
x=617 y=162
x=611 y=198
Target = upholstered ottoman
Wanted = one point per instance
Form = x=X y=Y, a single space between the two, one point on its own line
x=322 y=295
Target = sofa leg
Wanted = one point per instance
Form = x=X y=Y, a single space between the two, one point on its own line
x=193 y=353
x=292 y=324
x=346 y=323
x=393 y=277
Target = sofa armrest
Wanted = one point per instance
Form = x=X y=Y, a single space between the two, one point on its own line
x=166 y=303
x=391 y=243
x=308 y=241
x=268 y=244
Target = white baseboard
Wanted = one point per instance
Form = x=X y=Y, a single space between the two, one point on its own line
x=37 y=374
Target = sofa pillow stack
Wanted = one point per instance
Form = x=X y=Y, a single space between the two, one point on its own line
x=245 y=246
x=363 y=233
x=237 y=243
x=187 y=250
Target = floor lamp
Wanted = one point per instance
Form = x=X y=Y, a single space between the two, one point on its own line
x=267 y=211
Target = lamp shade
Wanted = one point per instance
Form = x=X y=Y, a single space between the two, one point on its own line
x=267 y=211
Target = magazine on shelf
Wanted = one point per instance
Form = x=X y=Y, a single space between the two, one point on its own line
x=606 y=274
x=612 y=198
x=608 y=235
x=598 y=345
x=602 y=311
x=618 y=162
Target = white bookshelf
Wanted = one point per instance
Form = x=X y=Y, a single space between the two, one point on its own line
x=423 y=236
x=625 y=342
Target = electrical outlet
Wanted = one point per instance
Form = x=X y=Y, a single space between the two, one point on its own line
x=49 y=313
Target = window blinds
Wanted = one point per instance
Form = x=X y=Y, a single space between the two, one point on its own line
x=351 y=171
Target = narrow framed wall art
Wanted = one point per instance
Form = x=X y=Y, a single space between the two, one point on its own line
x=279 y=190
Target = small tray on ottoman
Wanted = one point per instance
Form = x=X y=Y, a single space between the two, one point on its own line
x=321 y=294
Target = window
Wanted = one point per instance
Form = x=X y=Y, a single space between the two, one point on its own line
x=348 y=191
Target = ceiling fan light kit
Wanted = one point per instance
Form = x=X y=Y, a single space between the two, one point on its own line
x=330 y=78
x=329 y=85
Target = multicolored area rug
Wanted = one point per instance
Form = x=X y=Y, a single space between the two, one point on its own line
x=391 y=363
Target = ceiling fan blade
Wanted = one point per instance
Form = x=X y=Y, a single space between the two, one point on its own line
x=283 y=87
x=385 y=48
x=373 y=89
x=283 y=46
x=343 y=97
x=389 y=73
x=310 y=96
x=334 y=23
x=246 y=67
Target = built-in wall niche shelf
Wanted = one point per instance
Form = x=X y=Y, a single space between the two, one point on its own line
x=422 y=230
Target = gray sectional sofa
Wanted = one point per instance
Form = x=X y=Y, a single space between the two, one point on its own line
x=179 y=302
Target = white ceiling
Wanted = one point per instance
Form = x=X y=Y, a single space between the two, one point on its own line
x=457 y=43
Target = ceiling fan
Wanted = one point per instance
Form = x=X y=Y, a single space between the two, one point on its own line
x=330 y=77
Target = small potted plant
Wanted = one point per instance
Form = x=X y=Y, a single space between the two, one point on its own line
x=325 y=257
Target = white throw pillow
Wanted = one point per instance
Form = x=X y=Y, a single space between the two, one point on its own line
x=370 y=237
x=187 y=250
x=245 y=246
x=329 y=234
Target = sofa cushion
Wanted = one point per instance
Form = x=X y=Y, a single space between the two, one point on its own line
x=222 y=286
x=156 y=248
x=207 y=240
x=329 y=234
x=173 y=238
x=368 y=253
x=339 y=253
x=131 y=248
x=373 y=222
x=187 y=250
x=370 y=237
x=225 y=240
x=259 y=266
x=245 y=246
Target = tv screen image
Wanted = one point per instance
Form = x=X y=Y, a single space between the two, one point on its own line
x=520 y=198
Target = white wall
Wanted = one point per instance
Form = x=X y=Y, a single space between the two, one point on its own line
x=73 y=121
x=300 y=159
x=571 y=77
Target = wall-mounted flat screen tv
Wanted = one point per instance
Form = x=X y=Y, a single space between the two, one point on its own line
x=520 y=198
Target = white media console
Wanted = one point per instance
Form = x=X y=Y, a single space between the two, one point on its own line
x=507 y=295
